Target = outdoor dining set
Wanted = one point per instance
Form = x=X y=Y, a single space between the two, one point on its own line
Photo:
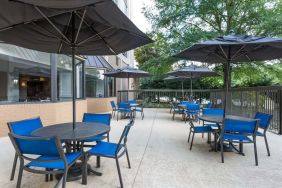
x=63 y=151
x=127 y=109
x=228 y=130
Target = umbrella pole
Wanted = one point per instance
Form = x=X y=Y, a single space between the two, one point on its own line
x=73 y=75
x=191 y=91
x=182 y=90
x=127 y=87
x=226 y=82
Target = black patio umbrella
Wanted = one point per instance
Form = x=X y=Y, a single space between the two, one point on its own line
x=177 y=78
x=127 y=72
x=72 y=27
x=233 y=49
x=192 y=72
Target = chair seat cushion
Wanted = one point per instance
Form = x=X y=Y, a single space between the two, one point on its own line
x=104 y=149
x=70 y=157
x=194 y=113
x=241 y=138
x=259 y=134
x=95 y=139
x=124 y=110
x=138 y=110
x=203 y=129
x=211 y=124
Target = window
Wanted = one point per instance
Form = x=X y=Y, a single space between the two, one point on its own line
x=25 y=75
x=117 y=61
x=95 y=82
x=64 y=78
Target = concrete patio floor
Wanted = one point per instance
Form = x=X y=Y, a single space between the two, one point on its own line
x=160 y=157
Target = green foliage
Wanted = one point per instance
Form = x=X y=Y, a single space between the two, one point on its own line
x=177 y=24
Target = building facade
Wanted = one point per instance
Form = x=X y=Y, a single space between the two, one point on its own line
x=34 y=83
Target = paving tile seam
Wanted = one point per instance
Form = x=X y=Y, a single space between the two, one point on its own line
x=145 y=150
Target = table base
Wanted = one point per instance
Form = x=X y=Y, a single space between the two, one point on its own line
x=75 y=172
x=226 y=148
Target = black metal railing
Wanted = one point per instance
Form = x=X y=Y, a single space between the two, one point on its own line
x=242 y=101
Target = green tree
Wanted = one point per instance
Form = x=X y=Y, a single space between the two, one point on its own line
x=177 y=24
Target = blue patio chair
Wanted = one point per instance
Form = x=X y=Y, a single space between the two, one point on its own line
x=114 y=108
x=187 y=102
x=124 y=108
x=239 y=131
x=113 y=150
x=192 y=111
x=197 y=129
x=139 y=108
x=97 y=118
x=43 y=155
x=211 y=112
x=23 y=128
x=209 y=105
x=132 y=101
x=177 y=110
x=264 y=122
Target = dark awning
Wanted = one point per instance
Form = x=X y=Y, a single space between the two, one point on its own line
x=99 y=62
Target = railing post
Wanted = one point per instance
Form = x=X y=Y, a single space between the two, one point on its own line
x=257 y=102
x=280 y=112
x=241 y=101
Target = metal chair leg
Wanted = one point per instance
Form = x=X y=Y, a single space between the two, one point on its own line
x=65 y=178
x=119 y=173
x=20 y=174
x=84 y=170
x=117 y=116
x=173 y=116
x=98 y=161
x=256 y=154
x=14 y=167
x=221 y=150
x=189 y=136
x=127 y=156
x=46 y=176
x=267 y=147
x=142 y=113
x=108 y=137
x=192 y=141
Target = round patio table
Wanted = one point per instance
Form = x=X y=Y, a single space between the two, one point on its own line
x=65 y=132
x=219 y=119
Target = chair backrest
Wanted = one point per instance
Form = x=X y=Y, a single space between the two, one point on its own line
x=37 y=145
x=244 y=127
x=124 y=105
x=193 y=107
x=187 y=102
x=132 y=101
x=264 y=119
x=213 y=111
x=113 y=104
x=97 y=118
x=209 y=105
x=25 y=127
x=123 y=137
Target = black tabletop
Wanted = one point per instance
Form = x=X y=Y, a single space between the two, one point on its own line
x=219 y=119
x=65 y=132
